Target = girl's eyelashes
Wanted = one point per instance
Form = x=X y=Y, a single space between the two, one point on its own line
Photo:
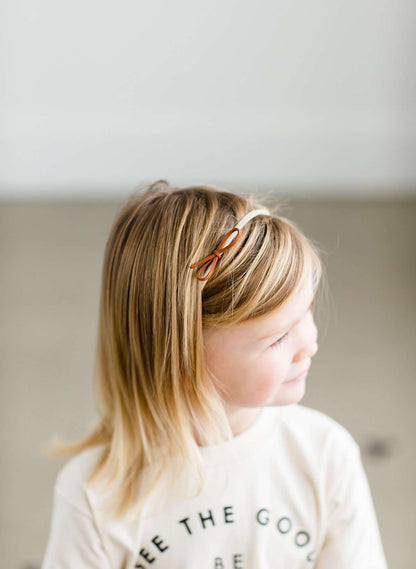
x=279 y=341
x=284 y=337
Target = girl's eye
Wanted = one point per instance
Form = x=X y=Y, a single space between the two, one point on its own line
x=279 y=341
x=284 y=337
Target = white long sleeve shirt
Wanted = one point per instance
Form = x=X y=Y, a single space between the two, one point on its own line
x=290 y=492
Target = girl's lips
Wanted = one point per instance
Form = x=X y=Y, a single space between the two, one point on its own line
x=299 y=377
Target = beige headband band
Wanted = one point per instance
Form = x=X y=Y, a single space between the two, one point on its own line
x=207 y=265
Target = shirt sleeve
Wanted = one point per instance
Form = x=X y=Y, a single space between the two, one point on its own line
x=352 y=538
x=74 y=542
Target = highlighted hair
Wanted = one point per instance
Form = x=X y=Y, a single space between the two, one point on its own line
x=157 y=402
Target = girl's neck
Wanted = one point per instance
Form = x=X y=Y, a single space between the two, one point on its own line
x=242 y=418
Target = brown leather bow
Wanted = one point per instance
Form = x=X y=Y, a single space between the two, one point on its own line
x=215 y=255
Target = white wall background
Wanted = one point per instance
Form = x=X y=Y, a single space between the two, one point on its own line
x=310 y=97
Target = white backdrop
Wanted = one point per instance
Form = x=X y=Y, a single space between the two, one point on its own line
x=309 y=97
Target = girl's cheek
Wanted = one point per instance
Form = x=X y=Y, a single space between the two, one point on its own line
x=272 y=376
x=269 y=386
x=262 y=392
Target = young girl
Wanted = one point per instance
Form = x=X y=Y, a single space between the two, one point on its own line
x=203 y=457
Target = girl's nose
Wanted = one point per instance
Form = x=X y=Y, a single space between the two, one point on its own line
x=308 y=343
x=307 y=351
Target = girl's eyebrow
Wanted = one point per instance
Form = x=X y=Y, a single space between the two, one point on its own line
x=276 y=333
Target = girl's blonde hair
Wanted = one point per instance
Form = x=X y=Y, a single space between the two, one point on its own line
x=157 y=402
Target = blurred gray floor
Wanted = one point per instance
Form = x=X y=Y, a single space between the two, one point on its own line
x=363 y=375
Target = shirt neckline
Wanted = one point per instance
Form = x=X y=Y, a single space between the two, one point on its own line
x=245 y=443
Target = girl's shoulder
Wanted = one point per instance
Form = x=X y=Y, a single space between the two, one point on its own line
x=316 y=428
x=71 y=480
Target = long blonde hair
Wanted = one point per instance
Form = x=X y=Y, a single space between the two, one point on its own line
x=157 y=402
